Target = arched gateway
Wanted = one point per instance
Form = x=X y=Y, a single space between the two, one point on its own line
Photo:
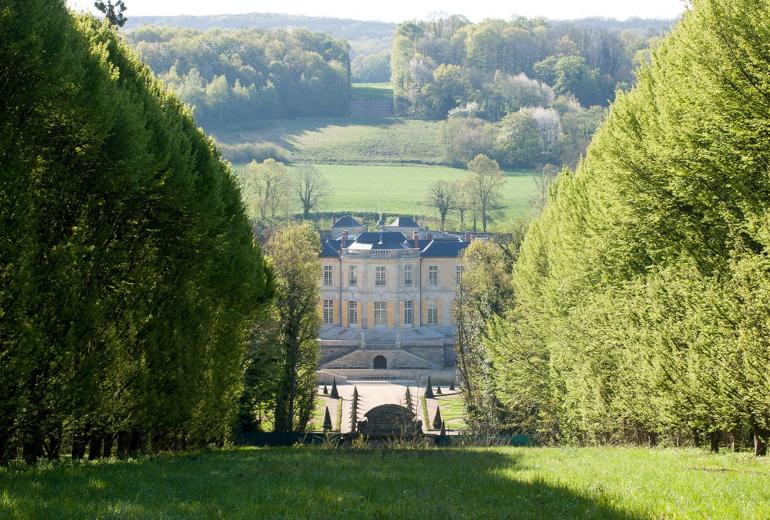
x=379 y=362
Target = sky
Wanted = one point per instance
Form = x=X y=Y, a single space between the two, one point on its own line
x=400 y=10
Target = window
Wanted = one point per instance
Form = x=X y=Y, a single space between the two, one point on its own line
x=352 y=276
x=432 y=314
x=408 y=275
x=327 y=275
x=458 y=274
x=328 y=312
x=408 y=316
x=380 y=313
x=379 y=276
x=433 y=275
x=352 y=312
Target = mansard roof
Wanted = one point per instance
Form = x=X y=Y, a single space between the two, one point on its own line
x=346 y=222
x=330 y=249
x=377 y=240
x=444 y=248
x=403 y=222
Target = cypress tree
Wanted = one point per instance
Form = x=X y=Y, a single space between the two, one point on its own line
x=408 y=402
x=438 y=389
x=326 y=390
x=452 y=386
x=429 y=390
x=335 y=394
x=327 y=420
x=443 y=428
x=354 y=411
x=437 y=422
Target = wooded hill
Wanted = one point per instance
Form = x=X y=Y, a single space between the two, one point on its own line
x=232 y=77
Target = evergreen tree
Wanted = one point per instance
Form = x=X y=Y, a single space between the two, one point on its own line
x=113 y=12
x=438 y=389
x=429 y=390
x=408 y=402
x=335 y=394
x=326 y=390
x=354 y=411
x=443 y=428
x=327 y=420
x=437 y=422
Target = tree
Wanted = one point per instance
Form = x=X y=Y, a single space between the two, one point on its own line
x=408 y=402
x=354 y=411
x=485 y=182
x=113 y=12
x=429 y=390
x=310 y=187
x=125 y=251
x=437 y=422
x=443 y=428
x=293 y=253
x=335 y=394
x=441 y=197
x=327 y=426
x=265 y=185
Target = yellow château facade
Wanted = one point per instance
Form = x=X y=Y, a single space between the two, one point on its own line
x=387 y=299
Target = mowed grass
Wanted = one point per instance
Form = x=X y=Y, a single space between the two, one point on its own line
x=381 y=92
x=614 y=483
x=345 y=140
x=452 y=410
x=404 y=188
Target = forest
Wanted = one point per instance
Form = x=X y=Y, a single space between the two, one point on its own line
x=639 y=305
x=233 y=77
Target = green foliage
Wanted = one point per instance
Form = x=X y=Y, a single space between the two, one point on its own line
x=293 y=254
x=334 y=394
x=129 y=278
x=428 y=390
x=432 y=63
x=233 y=77
x=641 y=293
x=438 y=424
x=327 y=426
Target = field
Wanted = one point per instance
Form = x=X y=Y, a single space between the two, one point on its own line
x=403 y=188
x=615 y=483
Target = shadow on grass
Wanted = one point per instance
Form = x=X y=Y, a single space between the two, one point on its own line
x=299 y=483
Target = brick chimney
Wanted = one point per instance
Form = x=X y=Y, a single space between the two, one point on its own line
x=344 y=239
x=416 y=239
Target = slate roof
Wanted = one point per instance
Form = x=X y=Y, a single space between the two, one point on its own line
x=444 y=248
x=330 y=249
x=376 y=240
x=403 y=222
x=346 y=222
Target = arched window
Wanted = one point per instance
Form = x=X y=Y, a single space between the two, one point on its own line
x=380 y=362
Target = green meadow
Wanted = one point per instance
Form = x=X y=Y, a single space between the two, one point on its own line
x=404 y=188
x=614 y=483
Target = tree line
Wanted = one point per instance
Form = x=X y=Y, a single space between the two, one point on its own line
x=237 y=76
x=446 y=62
x=129 y=276
x=639 y=303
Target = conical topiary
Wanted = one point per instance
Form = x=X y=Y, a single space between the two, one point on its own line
x=438 y=389
x=354 y=411
x=408 y=400
x=335 y=394
x=429 y=390
x=452 y=386
x=437 y=422
x=443 y=428
x=327 y=420
x=326 y=390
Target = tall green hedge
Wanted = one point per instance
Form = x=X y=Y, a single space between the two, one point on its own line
x=643 y=291
x=128 y=273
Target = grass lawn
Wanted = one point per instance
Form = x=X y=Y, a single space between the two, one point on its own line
x=382 y=92
x=536 y=483
x=452 y=411
x=403 y=188
x=345 y=140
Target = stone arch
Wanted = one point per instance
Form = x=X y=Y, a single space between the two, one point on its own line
x=379 y=362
